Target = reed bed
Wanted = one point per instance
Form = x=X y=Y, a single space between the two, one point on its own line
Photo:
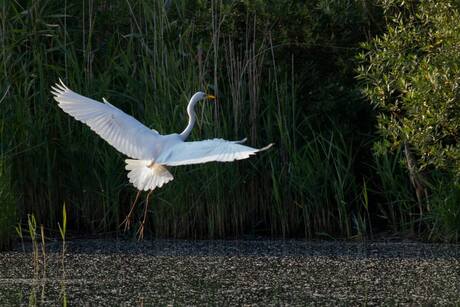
x=148 y=58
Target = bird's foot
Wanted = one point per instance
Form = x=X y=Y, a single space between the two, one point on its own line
x=127 y=223
x=140 y=232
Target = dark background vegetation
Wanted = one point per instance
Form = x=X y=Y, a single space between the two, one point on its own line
x=361 y=98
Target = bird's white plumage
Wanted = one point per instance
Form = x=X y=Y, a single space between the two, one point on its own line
x=119 y=129
x=152 y=150
x=206 y=151
x=146 y=175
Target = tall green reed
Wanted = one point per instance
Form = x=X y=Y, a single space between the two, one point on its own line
x=32 y=228
x=397 y=206
x=149 y=64
x=7 y=205
x=444 y=210
x=7 y=198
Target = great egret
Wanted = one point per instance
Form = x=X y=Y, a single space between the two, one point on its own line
x=150 y=151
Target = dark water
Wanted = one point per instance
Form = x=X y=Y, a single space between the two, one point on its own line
x=104 y=272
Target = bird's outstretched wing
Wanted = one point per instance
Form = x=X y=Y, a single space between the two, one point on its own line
x=120 y=130
x=206 y=151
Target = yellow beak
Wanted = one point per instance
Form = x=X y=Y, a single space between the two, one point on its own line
x=211 y=97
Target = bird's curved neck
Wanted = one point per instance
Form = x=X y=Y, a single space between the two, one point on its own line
x=191 y=118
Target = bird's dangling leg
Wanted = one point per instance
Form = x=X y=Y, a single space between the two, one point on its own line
x=127 y=220
x=140 y=232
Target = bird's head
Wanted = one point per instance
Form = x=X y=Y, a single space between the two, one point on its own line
x=202 y=95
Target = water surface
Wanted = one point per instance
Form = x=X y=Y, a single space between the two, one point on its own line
x=264 y=272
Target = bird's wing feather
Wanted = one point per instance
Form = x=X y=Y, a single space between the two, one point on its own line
x=206 y=151
x=120 y=130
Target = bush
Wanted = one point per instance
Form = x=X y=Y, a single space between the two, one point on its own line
x=411 y=74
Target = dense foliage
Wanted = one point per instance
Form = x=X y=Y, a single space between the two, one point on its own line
x=412 y=76
x=284 y=72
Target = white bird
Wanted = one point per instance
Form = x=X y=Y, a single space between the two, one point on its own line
x=150 y=152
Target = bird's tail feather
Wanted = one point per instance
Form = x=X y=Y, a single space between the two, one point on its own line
x=146 y=175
